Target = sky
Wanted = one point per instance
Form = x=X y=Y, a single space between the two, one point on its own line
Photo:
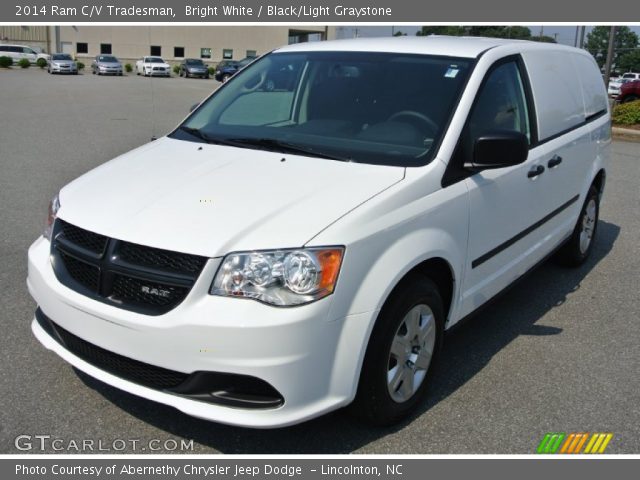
x=563 y=34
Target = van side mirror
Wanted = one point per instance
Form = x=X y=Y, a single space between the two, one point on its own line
x=499 y=149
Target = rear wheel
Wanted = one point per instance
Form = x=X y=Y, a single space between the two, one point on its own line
x=401 y=353
x=630 y=98
x=578 y=248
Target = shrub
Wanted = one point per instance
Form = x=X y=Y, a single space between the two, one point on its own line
x=128 y=67
x=24 y=63
x=6 y=62
x=212 y=70
x=627 y=113
x=80 y=66
x=176 y=69
x=41 y=62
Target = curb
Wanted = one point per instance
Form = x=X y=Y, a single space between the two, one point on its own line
x=627 y=134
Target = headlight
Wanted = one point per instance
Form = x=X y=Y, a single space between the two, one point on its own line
x=54 y=206
x=279 y=277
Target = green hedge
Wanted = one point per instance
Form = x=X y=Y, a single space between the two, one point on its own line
x=627 y=113
x=24 y=63
x=6 y=62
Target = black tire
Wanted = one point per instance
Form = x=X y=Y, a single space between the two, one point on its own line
x=225 y=78
x=573 y=253
x=374 y=403
x=630 y=98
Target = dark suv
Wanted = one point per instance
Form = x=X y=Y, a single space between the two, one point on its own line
x=194 y=67
x=629 y=92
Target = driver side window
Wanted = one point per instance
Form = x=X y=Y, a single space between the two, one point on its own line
x=501 y=104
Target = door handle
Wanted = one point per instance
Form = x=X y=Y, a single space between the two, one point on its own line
x=555 y=161
x=535 y=171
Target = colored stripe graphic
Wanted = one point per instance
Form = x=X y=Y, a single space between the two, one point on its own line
x=572 y=443
x=551 y=442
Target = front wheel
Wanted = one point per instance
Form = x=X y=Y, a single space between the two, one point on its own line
x=404 y=344
x=578 y=248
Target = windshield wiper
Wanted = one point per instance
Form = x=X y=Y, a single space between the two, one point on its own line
x=272 y=144
x=196 y=132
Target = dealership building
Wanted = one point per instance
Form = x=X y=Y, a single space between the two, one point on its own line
x=129 y=43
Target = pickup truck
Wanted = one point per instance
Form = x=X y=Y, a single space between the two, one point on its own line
x=153 y=66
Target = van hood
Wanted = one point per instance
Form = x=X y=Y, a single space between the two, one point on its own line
x=211 y=200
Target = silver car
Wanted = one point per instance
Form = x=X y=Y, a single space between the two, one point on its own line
x=106 y=65
x=62 y=63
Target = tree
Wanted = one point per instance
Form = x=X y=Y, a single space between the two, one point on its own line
x=629 y=61
x=598 y=41
x=515 y=32
x=543 y=38
x=453 y=30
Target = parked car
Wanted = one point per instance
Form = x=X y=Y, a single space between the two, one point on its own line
x=62 y=63
x=19 y=52
x=345 y=225
x=194 y=67
x=613 y=88
x=153 y=67
x=630 y=92
x=106 y=65
x=225 y=70
x=228 y=68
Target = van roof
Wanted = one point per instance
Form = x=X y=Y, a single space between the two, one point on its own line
x=465 y=47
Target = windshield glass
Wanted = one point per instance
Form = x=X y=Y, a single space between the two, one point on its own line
x=193 y=61
x=382 y=108
x=107 y=59
x=155 y=60
x=61 y=56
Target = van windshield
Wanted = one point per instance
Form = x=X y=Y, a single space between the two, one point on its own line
x=368 y=107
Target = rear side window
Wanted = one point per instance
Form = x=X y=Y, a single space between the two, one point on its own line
x=557 y=91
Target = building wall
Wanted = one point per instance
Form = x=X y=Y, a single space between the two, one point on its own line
x=33 y=36
x=130 y=43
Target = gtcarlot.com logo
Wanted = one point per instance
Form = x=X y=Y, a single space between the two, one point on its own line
x=574 y=443
x=47 y=443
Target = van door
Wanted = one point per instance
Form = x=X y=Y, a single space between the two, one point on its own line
x=508 y=204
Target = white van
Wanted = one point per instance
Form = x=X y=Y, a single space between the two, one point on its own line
x=306 y=235
x=18 y=52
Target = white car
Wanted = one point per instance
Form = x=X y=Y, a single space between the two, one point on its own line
x=304 y=238
x=153 y=67
x=18 y=52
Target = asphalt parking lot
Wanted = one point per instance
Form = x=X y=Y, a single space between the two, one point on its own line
x=559 y=353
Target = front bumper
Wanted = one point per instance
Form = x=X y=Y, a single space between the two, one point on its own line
x=311 y=360
x=61 y=69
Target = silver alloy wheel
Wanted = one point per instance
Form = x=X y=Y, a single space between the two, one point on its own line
x=588 y=226
x=411 y=352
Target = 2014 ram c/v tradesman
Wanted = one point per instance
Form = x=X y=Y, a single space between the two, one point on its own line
x=304 y=238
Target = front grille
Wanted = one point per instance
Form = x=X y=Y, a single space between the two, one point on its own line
x=134 y=277
x=141 y=292
x=162 y=259
x=83 y=238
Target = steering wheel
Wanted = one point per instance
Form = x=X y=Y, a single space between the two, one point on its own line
x=411 y=114
x=259 y=80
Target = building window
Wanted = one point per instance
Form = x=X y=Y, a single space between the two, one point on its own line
x=155 y=51
x=178 y=52
x=205 y=53
x=227 y=54
x=82 y=47
x=252 y=53
x=105 y=48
